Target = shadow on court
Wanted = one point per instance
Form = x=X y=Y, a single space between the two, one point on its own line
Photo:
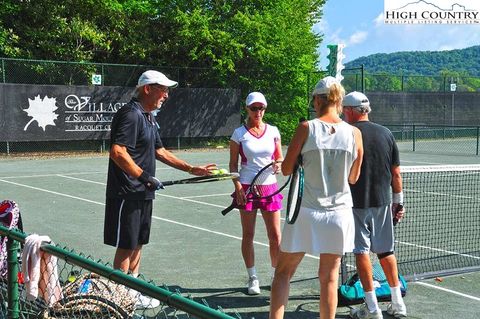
x=301 y=304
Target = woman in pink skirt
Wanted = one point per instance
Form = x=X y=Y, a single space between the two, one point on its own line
x=256 y=144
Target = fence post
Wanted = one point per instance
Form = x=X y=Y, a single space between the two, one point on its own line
x=478 y=139
x=13 y=248
x=363 y=79
x=414 y=137
x=3 y=71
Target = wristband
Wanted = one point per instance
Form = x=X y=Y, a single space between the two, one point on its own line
x=397 y=198
x=190 y=170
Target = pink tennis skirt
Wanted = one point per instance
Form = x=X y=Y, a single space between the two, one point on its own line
x=271 y=204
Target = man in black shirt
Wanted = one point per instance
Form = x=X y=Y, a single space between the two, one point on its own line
x=373 y=206
x=131 y=182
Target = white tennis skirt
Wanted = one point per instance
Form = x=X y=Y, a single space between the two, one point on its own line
x=320 y=232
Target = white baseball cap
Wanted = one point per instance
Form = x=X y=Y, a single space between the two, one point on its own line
x=256 y=97
x=355 y=99
x=323 y=86
x=155 y=77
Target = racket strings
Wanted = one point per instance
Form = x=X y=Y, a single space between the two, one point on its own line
x=259 y=189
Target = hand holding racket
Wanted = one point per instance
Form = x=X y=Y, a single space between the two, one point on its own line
x=397 y=212
x=260 y=187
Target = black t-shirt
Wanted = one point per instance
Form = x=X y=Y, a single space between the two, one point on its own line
x=373 y=188
x=136 y=129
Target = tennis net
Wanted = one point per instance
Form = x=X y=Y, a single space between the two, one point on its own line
x=440 y=233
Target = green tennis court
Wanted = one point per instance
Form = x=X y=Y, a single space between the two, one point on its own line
x=193 y=247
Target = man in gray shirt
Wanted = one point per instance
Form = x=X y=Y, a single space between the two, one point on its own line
x=375 y=210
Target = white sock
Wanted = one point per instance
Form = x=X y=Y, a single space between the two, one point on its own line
x=252 y=272
x=396 y=295
x=273 y=272
x=371 y=301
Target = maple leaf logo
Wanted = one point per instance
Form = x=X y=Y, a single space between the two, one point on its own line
x=42 y=111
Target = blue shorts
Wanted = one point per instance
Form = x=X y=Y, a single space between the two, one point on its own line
x=373 y=230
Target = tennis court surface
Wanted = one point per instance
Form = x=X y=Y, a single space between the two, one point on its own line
x=197 y=250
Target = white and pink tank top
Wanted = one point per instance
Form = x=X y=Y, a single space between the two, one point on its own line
x=255 y=151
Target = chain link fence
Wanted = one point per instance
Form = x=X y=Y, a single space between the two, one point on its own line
x=440 y=139
x=423 y=96
x=68 y=284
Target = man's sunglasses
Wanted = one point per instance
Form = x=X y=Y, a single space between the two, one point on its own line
x=159 y=87
x=257 y=108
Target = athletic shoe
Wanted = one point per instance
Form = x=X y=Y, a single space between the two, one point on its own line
x=362 y=312
x=253 y=286
x=397 y=310
x=144 y=302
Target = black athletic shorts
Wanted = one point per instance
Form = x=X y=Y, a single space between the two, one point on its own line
x=127 y=222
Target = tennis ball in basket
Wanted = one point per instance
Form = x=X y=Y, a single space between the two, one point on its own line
x=215 y=172
x=223 y=171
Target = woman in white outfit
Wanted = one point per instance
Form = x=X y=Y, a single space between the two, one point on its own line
x=256 y=144
x=332 y=153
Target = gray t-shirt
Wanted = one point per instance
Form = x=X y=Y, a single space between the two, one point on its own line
x=373 y=188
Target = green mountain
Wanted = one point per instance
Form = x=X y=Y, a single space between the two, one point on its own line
x=464 y=61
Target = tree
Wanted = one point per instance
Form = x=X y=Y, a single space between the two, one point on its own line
x=260 y=45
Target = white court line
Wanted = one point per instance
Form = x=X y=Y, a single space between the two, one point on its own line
x=78 y=173
x=51 y=192
x=211 y=195
x=447 y=290
x=49 y=175
x=200 y=228
x=160 y=218
x=438 y=249
x=80 y=179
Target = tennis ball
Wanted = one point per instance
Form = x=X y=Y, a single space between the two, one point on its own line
x=223 y=171
x=215 y=172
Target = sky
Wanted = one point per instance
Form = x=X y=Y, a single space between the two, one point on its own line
x=359 y=25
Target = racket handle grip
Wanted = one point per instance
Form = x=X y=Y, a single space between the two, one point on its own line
x=395 y=219
x=228 y=209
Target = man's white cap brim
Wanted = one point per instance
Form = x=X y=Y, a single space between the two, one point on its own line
x=155 y=77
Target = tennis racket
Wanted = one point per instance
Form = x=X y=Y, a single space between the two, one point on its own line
x=295 y=192
x=257 y=191
x=201 y=179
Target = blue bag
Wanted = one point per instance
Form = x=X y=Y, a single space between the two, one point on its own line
x=351 y=292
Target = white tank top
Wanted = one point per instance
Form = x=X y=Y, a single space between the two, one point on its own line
x=328 y=154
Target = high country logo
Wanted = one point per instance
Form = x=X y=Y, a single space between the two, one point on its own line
x=431 y=12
